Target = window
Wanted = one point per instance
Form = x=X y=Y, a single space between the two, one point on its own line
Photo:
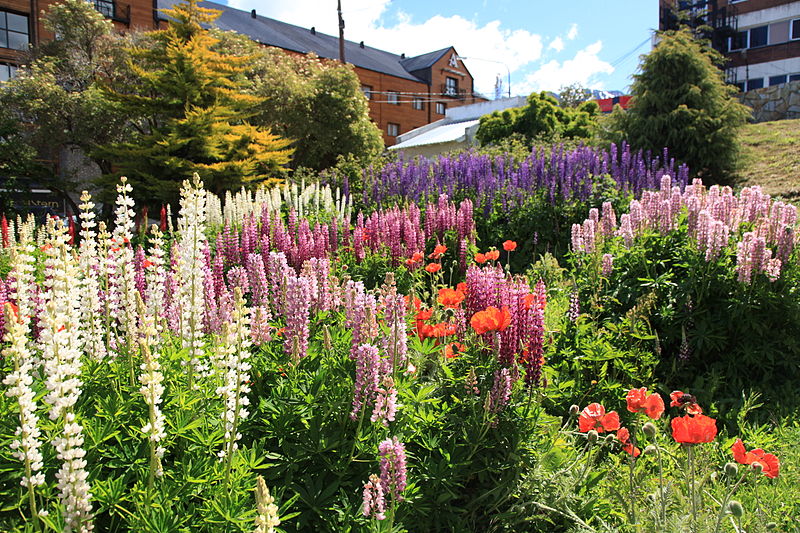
x=758 y=36
x=14 y=32
x=105 y=7
x=756 y=83
x=393 y=130
x=393 y=97
x=7 y=72
x=441 y=107
x=367 y=90
x=451 y=87
x=794 y=77
x=777 y=80
x=417 y=103
x=738 y=41
x=740 y=86
x=796 y=29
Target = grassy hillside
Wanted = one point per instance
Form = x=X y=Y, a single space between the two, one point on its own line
x=771 y=157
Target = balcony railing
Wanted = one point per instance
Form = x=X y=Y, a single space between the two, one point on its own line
x=116 y=11
x=453 y=92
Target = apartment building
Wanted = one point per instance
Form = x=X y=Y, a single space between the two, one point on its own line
x=760 y=38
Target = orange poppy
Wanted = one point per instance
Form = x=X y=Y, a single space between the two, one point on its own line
x=491 y=319
x=147 y=264
x=433 y=267
x=686 y=401
x=640 y=402
x=594 y=417
x=438 y=251
x=462 y=287
x=451 y=298
x=480 y=258
x=436 y=331
x=694 y=429
x=454 y=349
x=509 y=246
x=493 y=255
x=771 y=465
x=624 y=437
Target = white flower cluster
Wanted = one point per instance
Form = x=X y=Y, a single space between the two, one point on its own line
x=192 y=240
x=72 y=478
x=122 y=274
x=267 y=519
x=91 y=303
x=233 y=353
x=152 y=390
x=155 y=277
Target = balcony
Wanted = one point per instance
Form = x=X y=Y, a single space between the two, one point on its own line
x=116 y=11
x=453 y=92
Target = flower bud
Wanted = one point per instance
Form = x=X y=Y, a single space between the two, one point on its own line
x=731 y=469
x=592 y=436
x=735 y=508
x=650 y=430
x=610 y=439
x=771 y=525
x=757 y=467
x=650 y=450
x=574 y=410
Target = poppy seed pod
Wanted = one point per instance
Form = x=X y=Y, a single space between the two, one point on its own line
x=731 y=469
x=650 y=450
x=757 y=467
x=650 y=429
x=610 y=438
x=574 y=410
x=591 y=436
x=735 y=508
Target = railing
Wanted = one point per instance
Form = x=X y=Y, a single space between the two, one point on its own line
x=453 y=92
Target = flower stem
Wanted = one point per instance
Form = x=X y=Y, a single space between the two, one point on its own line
x=690 y=459
x=725 y=501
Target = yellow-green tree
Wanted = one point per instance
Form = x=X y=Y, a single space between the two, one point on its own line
x=189 y=109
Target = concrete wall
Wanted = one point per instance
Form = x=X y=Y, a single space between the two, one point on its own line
x=774 y=103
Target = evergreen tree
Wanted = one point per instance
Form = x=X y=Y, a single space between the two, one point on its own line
x=681 y=101
x=190 y=107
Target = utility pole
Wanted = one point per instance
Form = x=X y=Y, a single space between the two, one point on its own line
x=341 y=31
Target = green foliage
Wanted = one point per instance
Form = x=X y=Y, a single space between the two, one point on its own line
x=540 y=118
x=573 y=95
x=681 y=101
x=190 y=114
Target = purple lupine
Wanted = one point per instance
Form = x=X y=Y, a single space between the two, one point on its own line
x=237 y=277
x=500 y=394
x=367 y=380
x=385 y=402
x=533 y=338
x=393 y=467
x=374 y=499
x=607 y=265
x=395 y=340
x=138 y=268
x=257 y=280
x=297 y=309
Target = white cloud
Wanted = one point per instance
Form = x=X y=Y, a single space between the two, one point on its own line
x=490 y=48
x=556 y=44
x=572 y=34
x=583 y=68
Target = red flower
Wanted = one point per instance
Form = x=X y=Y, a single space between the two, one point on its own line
x=509 y=246
x=462 y=287
x=424 y=314
x=480 y=258
x=14 y=310
x=641 y=402
x=147 y=263
x=624 y=437
x=685 y=401
x=433 y=267
x=491 y=319
x=694 y=429
x=414 y=259
x=771 y=465
x=438 y=251
x=493 y=255
x=454 y=349
x=436 y=331
x=594 y=417
x=451 y=298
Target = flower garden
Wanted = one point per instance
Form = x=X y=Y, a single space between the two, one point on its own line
x=578 y=340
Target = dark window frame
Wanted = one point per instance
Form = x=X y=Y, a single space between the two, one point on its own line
x=441 y=106
x=765 y=42
x=392 y=126
x=794 y=25
x=5 y=31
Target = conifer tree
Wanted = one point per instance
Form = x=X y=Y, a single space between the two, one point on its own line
x=189 y=107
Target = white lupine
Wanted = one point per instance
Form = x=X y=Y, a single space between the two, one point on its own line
x=236 y=342
x=155 y=277
x=91 y=304
x=122 y=283
x=152 y=389
x=192 y=239
x=72 y=478
x=267 y=519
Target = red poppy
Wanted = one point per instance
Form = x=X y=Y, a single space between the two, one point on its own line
x=433 y=267
x=480 y=258
x=451 y=298
x=509 y=246
x=624 y=437
x=147 y=263
x=46 y=247
x=454 y=349
x=436 y=331
x=493 y=255
x=414 y=259
x=685 y=401
x=462 y=287
x=438 y=251
x=641 y=402
x=491 y=319
x=424 y=314
x=771 y=465
x=594 y=417
x=14 y=309
x=694 y=429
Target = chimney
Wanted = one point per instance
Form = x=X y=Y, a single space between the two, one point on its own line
x=361 y=44
x=253 y=14
x=403 y=55
x=313 y=30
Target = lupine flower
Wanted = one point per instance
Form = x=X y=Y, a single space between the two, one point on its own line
x=594 y=417
x=500 y=394
x=299 y=295
x=694 y=429
x=770 y=463
x=367 y=379
x=640 y=402
x=267 y=518
x=490 y=319
x=608 y=265
x=385 y=402
x=624 y=437
x=374 y=499
x=574 y=306
x=393 y=467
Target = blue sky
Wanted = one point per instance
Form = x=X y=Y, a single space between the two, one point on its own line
x=545 y=45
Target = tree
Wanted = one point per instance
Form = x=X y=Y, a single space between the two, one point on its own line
x=189 y=110
x=681 y=101
x=573 y=95
x=540 y=118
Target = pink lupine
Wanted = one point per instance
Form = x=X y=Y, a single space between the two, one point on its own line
x=257 y=280
x=608 y=222
x=393 y=467
x=607 y=265
x=297 y=309
x=385 y=402
x=374 y=499
x=577 y=238
x=500 y=394
x=260 y=329
x=367 y=380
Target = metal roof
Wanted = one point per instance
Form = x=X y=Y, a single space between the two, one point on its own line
x=440 y=134
x=290 y=37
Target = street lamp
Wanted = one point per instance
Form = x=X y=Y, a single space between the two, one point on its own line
x=462 y=58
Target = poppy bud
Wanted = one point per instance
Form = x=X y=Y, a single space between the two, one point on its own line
x=771 y=525
x=650 y=429
x=592 y=436
x=650 y=450
x=611 y=438
x=735 y=508
x=757 y=467
x=574 y=410
x=731 y=469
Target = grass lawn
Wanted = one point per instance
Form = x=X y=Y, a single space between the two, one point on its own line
x=771 y=157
